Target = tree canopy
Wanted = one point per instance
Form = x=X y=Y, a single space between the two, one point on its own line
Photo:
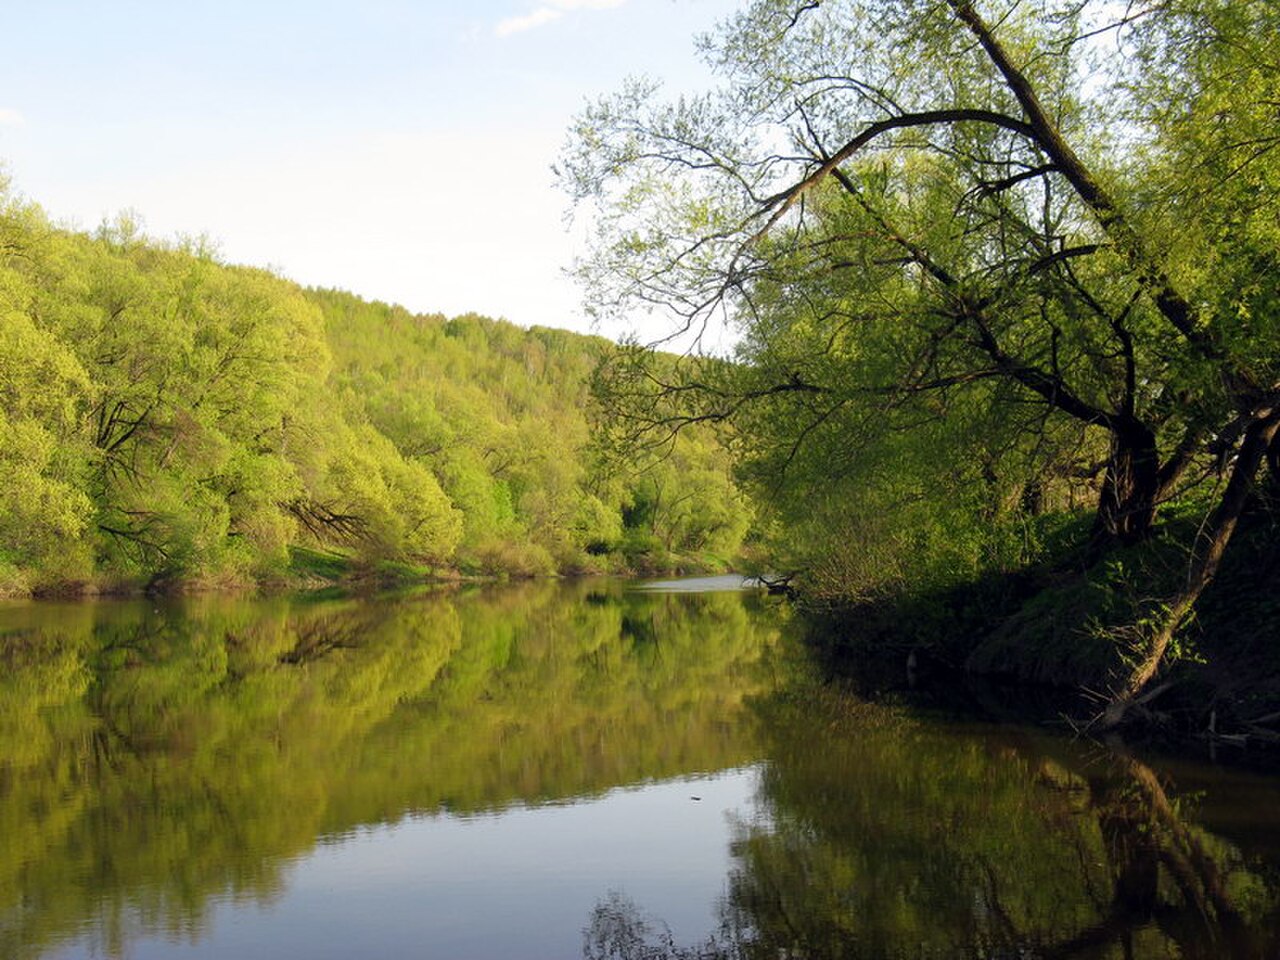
x=983 y=259
x=166 y=417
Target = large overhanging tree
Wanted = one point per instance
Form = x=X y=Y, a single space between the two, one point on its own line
x=1064 y=212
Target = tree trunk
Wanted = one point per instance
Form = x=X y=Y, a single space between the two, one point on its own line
x=1273 y=468
x=1127 y=504
x=1260 y=438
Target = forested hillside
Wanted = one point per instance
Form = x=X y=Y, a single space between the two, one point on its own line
x=166 y=418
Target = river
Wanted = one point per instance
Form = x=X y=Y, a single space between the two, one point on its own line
x=572 y=770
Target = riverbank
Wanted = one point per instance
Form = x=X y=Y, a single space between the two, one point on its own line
x=1067 y=626
x=317 y=569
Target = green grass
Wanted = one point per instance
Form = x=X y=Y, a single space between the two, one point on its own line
x=309 y=564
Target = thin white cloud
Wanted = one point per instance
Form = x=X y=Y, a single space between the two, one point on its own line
x=553 y=10
x=11 y=118
x=510 y=25
x=568 y=5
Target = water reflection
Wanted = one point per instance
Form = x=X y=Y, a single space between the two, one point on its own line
x=881 y=836
x=154 y=758
x=468 y=772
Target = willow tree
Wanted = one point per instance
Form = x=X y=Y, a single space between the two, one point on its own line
x=1063 y=209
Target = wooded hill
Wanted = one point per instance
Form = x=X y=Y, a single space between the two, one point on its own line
x=168 y=418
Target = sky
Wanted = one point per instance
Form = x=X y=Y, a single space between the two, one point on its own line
x=400 y=149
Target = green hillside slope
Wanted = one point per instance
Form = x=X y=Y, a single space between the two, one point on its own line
x=168 y=419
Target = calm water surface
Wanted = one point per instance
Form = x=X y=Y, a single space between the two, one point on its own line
x=570 y=771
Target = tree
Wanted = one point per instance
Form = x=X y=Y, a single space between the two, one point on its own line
x=1055 y=219
x=44 y=391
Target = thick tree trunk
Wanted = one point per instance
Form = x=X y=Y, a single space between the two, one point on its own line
x=1127 y=504
x=1259 y=440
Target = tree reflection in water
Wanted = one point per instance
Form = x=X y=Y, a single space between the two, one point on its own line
x=156 y=757
x=880 y=836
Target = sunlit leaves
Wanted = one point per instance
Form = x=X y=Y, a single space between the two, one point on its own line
x=982 y=260
x=165 y=415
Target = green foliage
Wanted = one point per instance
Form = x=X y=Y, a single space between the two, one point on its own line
x=500 y=416
x=984 y=262
x=165 y=417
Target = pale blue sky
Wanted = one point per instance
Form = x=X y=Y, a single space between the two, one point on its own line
x=396 y=148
